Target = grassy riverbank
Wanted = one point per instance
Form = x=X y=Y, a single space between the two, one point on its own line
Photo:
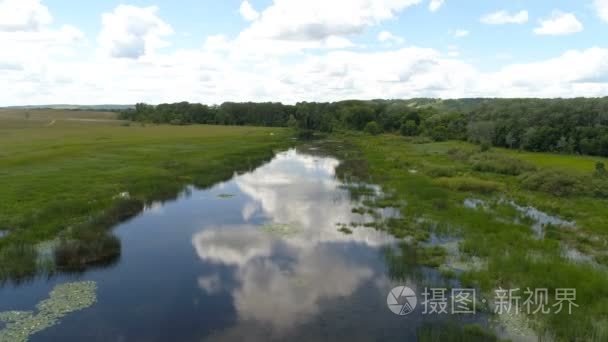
x=73 y=174
x=485 y=211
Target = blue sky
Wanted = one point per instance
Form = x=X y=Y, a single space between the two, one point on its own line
x=290 y=50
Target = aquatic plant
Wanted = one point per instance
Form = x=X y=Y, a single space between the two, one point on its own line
x=345 y=230
x=225 y=196
x=469 y=184
x=18 y=262
x=63 y=299
x=97 y=249
x=280 y=229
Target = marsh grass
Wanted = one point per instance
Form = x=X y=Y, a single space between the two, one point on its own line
x=18 y=262
x=69 y=179
x=501 y=164
x=499 y=236
x=470 y=184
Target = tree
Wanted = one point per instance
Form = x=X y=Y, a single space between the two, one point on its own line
x=357 y=116
x=409 y=128
x=480 y=132
x=372 y=128
x=292 y=122
x=600 y=169
x=510 y=140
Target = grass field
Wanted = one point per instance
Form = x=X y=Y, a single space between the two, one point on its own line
x=29 y=118
x=73 y=173
x=496 y=245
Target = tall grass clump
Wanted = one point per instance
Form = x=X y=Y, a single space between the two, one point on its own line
x=501 y=164
x=554 y=182
x=469 y=184
x=18 y=262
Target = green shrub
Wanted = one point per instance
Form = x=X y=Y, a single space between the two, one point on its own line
x=305 y=134
x=469 y=184
x=599 y=187
x=458 y=154
x=554 y=182
x=372 y=128
x=421 y=140
x=501 y=164
x=440 y=171
x=600 y=169
x=409 y=128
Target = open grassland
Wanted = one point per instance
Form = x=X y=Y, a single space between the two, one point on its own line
x=57 y=176
x=30 y=118
x=460 y=207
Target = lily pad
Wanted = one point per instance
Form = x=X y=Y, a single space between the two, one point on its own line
x=64 y=299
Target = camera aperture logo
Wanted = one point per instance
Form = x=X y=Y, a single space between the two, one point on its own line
x=402 y=300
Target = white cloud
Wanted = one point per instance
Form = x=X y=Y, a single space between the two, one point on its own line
x=23 y=15
x=131 y=32
x=56 y=65
x=460 y=33
x=435 y=5
x=504 y=17
x=248 y=12
x=602 y=9
x=559 y=24
x=314 y=20
x=32 y=51
x=387 y=37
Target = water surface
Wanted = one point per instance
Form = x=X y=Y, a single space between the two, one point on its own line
x=259 y=257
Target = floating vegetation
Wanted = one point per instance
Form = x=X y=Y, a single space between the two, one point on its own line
x=280 y=229
x=225 y=196
x=64 y=299
x=345 y=230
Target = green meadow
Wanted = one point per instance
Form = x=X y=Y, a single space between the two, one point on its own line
x=473 y=215
x=65 y=171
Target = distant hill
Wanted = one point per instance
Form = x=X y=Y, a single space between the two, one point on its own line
x=103 y=107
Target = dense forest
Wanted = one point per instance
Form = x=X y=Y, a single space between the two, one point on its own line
x=577 y=125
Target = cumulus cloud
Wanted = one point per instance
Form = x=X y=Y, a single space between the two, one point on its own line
x=601 y=7
x=435 y=5
x=23 y=15
x=54 y=63
x=131 y=32
x=315 y=20
x=387 y=37
x=504 y=17
x=33 y=51
x=559 y=24
x=248 y=12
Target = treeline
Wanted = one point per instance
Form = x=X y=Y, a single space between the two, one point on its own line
x=546 y=125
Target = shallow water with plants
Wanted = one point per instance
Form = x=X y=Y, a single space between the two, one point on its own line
x=495 y=219
x=288 y=251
